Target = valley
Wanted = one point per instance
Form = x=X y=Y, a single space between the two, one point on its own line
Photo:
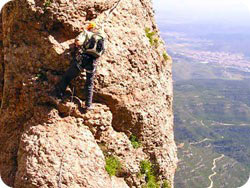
x=212 y=119
x=212 y=113
x=211 y=73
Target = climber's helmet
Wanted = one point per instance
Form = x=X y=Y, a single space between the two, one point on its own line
x=91 y=25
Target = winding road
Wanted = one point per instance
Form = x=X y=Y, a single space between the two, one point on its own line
x=204 y=140
x=213 y=168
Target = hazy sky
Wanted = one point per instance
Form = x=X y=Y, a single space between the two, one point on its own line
x=204 y=10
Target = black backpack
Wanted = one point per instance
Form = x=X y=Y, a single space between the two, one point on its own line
x=94 y=44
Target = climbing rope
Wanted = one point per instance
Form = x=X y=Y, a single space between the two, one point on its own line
x=109 y=13
x=114 y=7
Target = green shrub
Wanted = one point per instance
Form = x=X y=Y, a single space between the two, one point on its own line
x=134 y=141
x=166 y=184
x=147 y=169
x=156 y=42
x=165 y=56
x=47 y=3
x=145 y=166
x=113 y=165
x=152 y=184
x=150 y=35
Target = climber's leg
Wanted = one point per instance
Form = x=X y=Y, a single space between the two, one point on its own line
x=69 y=75
x=90 y=66
x=88 y=88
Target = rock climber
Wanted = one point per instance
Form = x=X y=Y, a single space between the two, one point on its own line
x=89 y=46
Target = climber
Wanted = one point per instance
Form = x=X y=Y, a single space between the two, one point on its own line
x=89 y=46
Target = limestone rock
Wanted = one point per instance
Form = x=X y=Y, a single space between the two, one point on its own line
x=1 y=60
x=58 y=153
x=48 y=143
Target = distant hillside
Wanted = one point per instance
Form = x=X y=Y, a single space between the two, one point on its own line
x=212 y=118
x=189 y=70
x=211 y=71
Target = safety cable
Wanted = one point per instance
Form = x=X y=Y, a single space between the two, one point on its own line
x=109 y=13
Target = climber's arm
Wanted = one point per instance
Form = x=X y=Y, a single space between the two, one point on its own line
x=80 y=39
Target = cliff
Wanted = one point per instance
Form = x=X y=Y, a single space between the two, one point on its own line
x=44 y=143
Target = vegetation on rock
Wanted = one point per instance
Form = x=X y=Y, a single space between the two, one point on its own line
x=151 y=37
x=113 y=165
x=150 y=177
x=166 y=184
x=165 y=56
x=47 y=3
x=135 y=142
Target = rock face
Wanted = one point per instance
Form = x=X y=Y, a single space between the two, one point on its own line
x=46 y=143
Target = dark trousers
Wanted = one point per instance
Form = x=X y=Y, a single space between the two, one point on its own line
x=89 y=64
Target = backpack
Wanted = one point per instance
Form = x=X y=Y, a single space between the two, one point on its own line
x=94 y=44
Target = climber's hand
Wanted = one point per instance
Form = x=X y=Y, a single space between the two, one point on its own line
x=77 y=43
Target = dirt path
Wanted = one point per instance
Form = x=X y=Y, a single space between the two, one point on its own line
x=204 y=140
x=213 y=168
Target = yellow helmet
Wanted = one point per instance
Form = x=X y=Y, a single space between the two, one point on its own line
x=91 y=25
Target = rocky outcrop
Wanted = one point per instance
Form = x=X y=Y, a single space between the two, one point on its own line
x=1 y=60
x=47 y=143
